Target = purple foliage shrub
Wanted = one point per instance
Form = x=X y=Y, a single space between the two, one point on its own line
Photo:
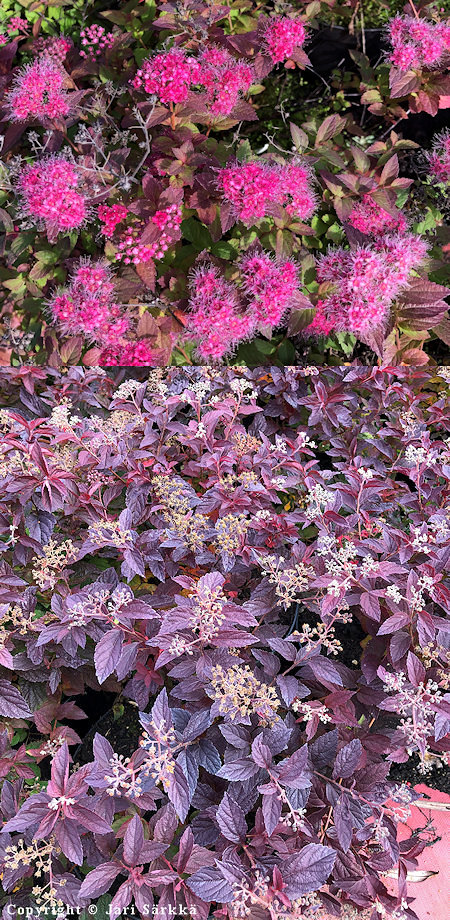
x=204 y=543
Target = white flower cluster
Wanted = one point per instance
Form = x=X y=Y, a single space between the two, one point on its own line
x=418 y=455
x=318 y=500
x=310 y=712
x=62 y=419
x=290 y=582
x=417 y=705
x=126 y=389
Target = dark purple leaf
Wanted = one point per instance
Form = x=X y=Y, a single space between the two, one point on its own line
x=231 y=820
x=348 y=759
x=308 y=870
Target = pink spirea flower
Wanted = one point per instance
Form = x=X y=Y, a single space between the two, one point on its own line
x=225 y=79
x=51 y=195
x=95 y=40
x=17 y=24
x=270 y=286
x=168 y=75
x=131 y=354
x=38 y=92
x=254 y=189
x=86 y=306
x=222 y=314
x=216 y=319
x=111 y=216
x=367 y=280
x=321 y=325
x=173 y=75
x=283 y=36
x=56 y=47
x=370 y=218
x=417 y=43
x=162 y=231
x=439 y=158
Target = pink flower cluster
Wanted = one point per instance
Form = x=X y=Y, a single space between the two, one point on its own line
x=221 y=315
x=168 y=75
x=95 y=40
x=225 y=79
x=216 y=320
x=111 y=216
x=254 y=189
x=51 y=195
x=270 y=286
x=439 y=158
x=173 y=75
x=15 y=24
x=370 y=218
x=56 y=47
x=38 y=91
x=366 y=282
x=168 y=223
x=321 y=325
x=283 y=36
x=86 y=306
x=417 y=43
x=131 y=354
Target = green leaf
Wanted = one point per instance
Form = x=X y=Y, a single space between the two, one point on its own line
x=265 y=347
x=286 y=352
x=48 y=256
x=244 y=151
x=224 y=250
x=196 y=233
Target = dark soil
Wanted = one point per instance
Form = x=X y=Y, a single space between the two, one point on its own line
x=121 y=729
x=407 y=773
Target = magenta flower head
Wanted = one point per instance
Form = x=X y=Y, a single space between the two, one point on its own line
x=55 y=46
x=282 y=37
x=129 y=354
x=438 y=158
x=51 y=195
x=169 y=75
x=225 y=79
x=38 y=92
x=270 y=285
x=417 y=43
x=370 y=218
x=218 y=320
x=86 y=306
x=260 y=189
x=367 y=280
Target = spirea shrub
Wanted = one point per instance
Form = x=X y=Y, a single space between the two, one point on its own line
x=204 y=544
x=155 y=135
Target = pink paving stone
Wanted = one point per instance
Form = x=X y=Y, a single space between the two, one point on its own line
x=432 y=896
